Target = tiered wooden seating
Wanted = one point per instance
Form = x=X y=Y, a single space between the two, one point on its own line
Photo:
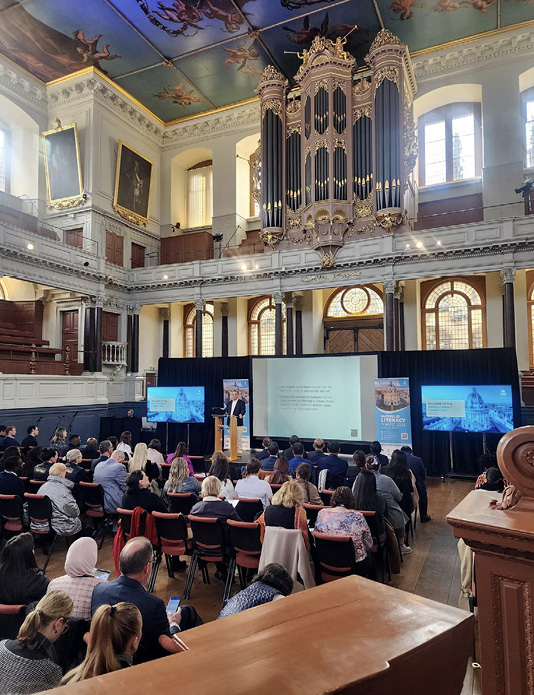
x=252 y=244
x=22 y=220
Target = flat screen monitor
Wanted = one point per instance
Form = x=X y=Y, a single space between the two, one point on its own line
x=175 y=404
x=467 y=408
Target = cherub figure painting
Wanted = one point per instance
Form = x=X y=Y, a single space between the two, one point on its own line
x=179 y=95
x=242 y=55
x=190 y=16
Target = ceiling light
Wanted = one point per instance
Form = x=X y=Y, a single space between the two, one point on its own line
x=30 y=247
x=438 y=243
x=256 y=267
x=243 y=267
x=165 y=277
x=419 y=244
x=407 y=246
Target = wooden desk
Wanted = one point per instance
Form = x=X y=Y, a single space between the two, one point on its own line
x=350 y=636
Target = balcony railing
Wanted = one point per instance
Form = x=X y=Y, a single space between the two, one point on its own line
x=114 y=353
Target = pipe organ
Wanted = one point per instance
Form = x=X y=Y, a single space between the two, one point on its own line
x=336 y=158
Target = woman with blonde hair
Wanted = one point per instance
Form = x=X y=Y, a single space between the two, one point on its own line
x=286 y=510
x=59 y=441
x=113 y=640
x=29 y=663
x=139 y=462
x=220 y=468
x=180 y=481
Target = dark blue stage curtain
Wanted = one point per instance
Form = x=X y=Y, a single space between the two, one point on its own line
x=207 y=372
x=477 y=367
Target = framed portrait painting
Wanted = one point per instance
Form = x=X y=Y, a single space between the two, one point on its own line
x=133 y=181
x=62 y=166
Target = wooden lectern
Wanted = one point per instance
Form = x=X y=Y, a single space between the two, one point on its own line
x=219 y=429
x=503 y=544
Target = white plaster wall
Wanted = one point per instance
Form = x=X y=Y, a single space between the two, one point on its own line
x=19 y=290
x=150 y=338
x=176 y=330
x=494 y=308
x=24 y=149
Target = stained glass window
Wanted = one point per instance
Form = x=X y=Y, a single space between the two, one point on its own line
x=355 y=301
x=453 y=317
x=262 y=327
x=207 y=331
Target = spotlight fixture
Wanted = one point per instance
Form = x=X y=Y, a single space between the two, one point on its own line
x=407 y=246
x=218 y=237
x=419 y=244
x=256 y=267
x=165 y=277
x=244 y=266
x=438 y=243
x=86 y=263
x=30 y=247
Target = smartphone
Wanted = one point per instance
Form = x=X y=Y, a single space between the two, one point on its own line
x=173 y=604
x=101 y=574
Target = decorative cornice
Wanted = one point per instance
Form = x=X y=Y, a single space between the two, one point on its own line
x=212 y=124
x=446 y=59
x=30 y=90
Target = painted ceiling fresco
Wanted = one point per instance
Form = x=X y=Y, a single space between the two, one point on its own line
x=182 y=57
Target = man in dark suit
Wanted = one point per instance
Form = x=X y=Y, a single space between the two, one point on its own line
x=288 y=453
x=9 y=439
x=106 y=449
x=333 y=463
x=416 y=465
x=265 y=452
x=89 y=449
x=31 y=438
x=10 y=483
x=268 y=463
x=318 y=451
x=135 y=563
x=236 y=407
x=298 y=457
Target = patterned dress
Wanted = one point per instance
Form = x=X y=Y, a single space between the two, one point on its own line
x=338 y=521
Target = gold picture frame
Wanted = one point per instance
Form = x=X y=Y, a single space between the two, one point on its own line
x=64 y=185
x=133 y=185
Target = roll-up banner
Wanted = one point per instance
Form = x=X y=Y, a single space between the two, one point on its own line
x=393 y=417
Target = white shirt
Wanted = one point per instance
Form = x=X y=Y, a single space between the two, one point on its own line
x=253 y=487
x=124 y=447
x=227 y=490
x=234 y=403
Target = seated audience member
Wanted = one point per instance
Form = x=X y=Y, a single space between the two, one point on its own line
x=113 y=641
x=280 y=473
x=138 y=495
x=75 y=472
x=358 y=462
x=42 y=470
x=65 y=512
x=21 y=581
x=31 y=437
x=318 y=451
x=135 y=563
x=90 y=449
x=111 y=474
x=333 y=463
x=273 y=582
x=399 y=472
x=251 y=487
x=139 y=462
x=79 y=580
x=286 y=510
x=298 y=456
x=9 y=439
x=211 y=505
x=59 y=441
x=34 y=457
x=154 y=453
x=114 y=441
x=220 y=468
x=368 y=500
x=416 y=465
x=10 y=451
x=74 y=443
x=387 y=488
x=492 y=479
x=125 y=442
x=342 y=519
x=180 y=480
x=106 y=449
x=268 y=463
x=29 y=663
x=181 y=452
x=264 y=453
x=382 y=459
x=2 y=434
x=289 y=453
x=309 y=491
x=10 y=483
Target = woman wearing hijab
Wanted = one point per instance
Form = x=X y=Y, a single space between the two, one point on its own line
x=79 y=580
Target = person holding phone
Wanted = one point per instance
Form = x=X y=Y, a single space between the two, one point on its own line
x=79 y=579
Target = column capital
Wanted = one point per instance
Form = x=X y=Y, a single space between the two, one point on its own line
x=225 y=308
x=96 y=300
x=165 y=314
x=289 y=300
x=133 y=308
x=298 y=300
x=399 y=292
x=199 y=304
x=278 y=297
x=508 y=275
x=390 y=286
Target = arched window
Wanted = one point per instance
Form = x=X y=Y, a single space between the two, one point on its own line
x=200 y=194
x=355 y=301
x=4 y=159
x=190 y=317
x=450 y=144
x=261 y=327
x=454 y=314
